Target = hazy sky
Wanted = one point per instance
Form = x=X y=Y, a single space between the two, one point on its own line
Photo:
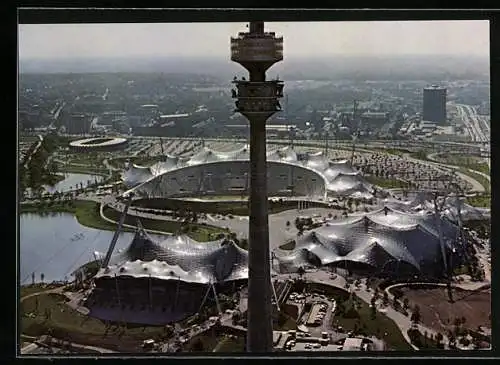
x=301 y=39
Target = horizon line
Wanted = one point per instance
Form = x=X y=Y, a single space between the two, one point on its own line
x=367 y=55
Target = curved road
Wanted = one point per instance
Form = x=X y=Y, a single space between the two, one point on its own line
x=477 y=186
x=432 y=157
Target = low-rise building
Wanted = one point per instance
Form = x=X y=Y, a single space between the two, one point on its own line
x=352 y=344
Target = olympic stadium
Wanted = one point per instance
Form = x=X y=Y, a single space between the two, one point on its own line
x=385 y=241
x=210 y=172
x=98 y=144
x=161 y=282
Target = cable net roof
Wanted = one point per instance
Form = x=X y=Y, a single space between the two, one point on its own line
x=338 y=177
x=423 y=202
x=179 y=258
x=375 y=239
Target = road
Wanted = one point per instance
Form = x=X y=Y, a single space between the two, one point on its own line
x=38 y=145
x=476 y=185
x=477 y=126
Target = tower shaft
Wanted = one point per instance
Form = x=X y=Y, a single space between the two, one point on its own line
x=257 y=100
x=259 y=282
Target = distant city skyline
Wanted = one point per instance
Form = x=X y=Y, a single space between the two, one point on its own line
x=301 y=39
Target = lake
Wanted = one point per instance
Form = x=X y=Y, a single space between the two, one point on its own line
x=56 y=244
x=71 y=181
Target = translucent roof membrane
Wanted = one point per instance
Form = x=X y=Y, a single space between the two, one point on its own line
x=179 y=258
x=375 y=239
x=337 y=177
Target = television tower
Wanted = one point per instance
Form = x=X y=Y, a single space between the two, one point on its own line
x=257 y=100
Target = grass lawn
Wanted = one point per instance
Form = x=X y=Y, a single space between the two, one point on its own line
x=231 y=344
x=63 y=322
x=26 y=290
x=77 y=169
x=284 y=323
x=385 y=183
x=145 y=160
x=474 y=163
x=481 y=167
x=288 y=246
x=422 y=342
x=239 y=208
x=137 y=160
x=86 y=212
x=199 y=232
x=377 y=326
x=392 y=151
x=204 y=342
x=480 y=201
x=53 y=179
x=28 y=139
x=480 y=178
x=420 y=155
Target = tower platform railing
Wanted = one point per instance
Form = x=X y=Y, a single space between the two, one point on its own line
x=263 y=89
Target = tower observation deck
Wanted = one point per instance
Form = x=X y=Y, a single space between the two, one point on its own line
x=258 y=99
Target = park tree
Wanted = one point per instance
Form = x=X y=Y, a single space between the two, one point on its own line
x=42 y=277
x=451 y=339
x=477 y=343
x=463 y=320
x=48 y=314
x=301 y=271
x=439 y=337
x=385 y=298
x=415 y=316
x=398 y=293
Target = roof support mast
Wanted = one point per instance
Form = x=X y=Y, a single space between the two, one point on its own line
x=112 y=245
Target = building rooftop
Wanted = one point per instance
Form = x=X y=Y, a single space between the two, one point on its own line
x=374 y=114
x=175 y=115
x=434 y=87
x=352 y=344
